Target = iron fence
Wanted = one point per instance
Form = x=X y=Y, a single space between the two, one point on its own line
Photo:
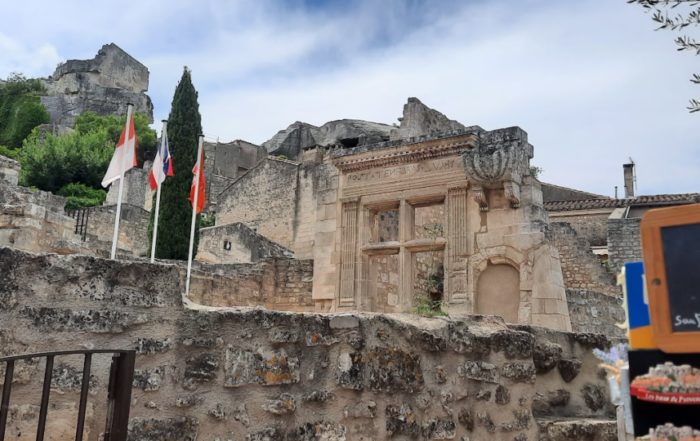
x=121 y=376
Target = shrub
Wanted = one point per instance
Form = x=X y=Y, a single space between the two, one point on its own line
x=10 y=153
x=79 y=196
x=56 y=161
x=90 y=122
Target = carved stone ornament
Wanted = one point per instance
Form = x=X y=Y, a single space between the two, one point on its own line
x=498 y=162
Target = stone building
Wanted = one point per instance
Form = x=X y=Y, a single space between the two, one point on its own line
x=454 y=216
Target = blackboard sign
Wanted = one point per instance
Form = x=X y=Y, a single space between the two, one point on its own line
x=671 y=249
x=681 y=245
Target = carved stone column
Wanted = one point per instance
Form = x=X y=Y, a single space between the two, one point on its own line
x=457 y=246
x=406 y=219
x=348 y=249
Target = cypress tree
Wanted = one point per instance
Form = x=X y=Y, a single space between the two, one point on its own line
x=184 y=128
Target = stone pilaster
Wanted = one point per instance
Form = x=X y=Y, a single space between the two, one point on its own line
x=457 y=246
x=348 y=247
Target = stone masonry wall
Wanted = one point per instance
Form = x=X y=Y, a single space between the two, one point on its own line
x=249 y=374
x=236 y=243
x=268 y=209
x=133 y=229
x=581 y=268
x=624 y=242
x=592 y=311
x=591 y=226
x=275 y=283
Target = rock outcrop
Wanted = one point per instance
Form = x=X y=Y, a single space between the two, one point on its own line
x=291 y=141
x=104 y=85
x=417 y=120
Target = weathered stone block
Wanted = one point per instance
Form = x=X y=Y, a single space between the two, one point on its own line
x=479 y=371
x=401 y=420
x=391 y=369
x=169 y=429
x=200 y=369
x=149 y=380
x=267 y=368
x=519 y=372
x=283 y=405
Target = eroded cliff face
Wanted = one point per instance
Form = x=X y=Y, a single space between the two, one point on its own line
x=104 y=85
x=248 y=373
x=417 y=120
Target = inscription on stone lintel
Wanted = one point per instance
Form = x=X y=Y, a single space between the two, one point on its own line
x=378 y=174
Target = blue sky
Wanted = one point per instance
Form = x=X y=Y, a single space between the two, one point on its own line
x=589 y=80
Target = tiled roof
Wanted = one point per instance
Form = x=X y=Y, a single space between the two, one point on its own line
x=644 y=201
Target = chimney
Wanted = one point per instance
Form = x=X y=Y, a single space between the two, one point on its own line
x=628 y=172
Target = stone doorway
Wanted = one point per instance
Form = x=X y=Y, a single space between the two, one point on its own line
x=498 y=292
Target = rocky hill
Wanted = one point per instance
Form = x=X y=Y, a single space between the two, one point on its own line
x=104 y=85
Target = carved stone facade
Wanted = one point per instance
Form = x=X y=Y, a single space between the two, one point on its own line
x=400 y=224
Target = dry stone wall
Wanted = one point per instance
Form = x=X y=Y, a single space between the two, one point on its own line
x=251 y=374
x=624 y=242
x=236 y=243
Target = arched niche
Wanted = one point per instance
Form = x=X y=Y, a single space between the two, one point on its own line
x=498 y=292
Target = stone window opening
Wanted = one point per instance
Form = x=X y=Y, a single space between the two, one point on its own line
x=227 y=245
x=412 y=230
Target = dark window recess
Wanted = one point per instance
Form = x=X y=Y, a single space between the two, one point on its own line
x=349 y=142
x=227 y=245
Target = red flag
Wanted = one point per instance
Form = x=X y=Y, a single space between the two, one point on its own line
x=198 y=171
x=124 y=157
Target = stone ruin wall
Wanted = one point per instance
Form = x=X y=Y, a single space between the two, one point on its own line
x=591 y=227
x=236 y=243
x=34 y=220
x=249 y=374
x=624 y=242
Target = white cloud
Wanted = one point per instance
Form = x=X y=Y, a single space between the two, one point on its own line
x=31 y=61
x=589 y=81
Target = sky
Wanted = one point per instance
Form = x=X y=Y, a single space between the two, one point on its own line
x=590 y=80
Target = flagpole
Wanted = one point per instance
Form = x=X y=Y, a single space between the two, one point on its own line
x=115 y=237
x=155 y=218
x=195 y=202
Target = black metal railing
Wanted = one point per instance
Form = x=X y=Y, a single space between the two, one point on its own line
x=121 y=376
x=81 y=216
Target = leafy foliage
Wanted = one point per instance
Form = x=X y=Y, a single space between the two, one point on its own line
x=20 y=109
x=10 y=153
x=80 y=196
x=677 y=15
x=89 y=122
x=184 y=128
x=51 y=162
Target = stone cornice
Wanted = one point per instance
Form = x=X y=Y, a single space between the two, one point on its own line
x=406 y=153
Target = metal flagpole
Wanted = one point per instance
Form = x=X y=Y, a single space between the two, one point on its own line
x=115 y=237
x=195 y=202
x=163 y=136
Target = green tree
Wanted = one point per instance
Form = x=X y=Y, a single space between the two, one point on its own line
x=80 y=195
x=89 y=122
x=677 y=16
x=51 y=162
x=20 y=109
x=184 y=128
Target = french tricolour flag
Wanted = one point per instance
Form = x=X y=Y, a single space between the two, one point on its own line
x=162 y=164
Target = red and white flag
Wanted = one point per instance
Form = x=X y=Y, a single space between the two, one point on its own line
x=124 y=155
x=198 y=184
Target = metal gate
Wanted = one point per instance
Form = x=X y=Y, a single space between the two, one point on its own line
x=121 y=376
x=81 y=216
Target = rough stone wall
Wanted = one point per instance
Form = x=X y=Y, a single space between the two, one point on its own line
x=204 y=373
x=276 y=283
x=264 y=199
x=581 y=268
x=595 y=312
x=9 y=170
x=102 y=85
x=236 y=243
x=133 y=229
x=35 y=221
x=225 y=162
x=624 y=242
x=551 y=192
x=137 y=190
x=592 y=227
